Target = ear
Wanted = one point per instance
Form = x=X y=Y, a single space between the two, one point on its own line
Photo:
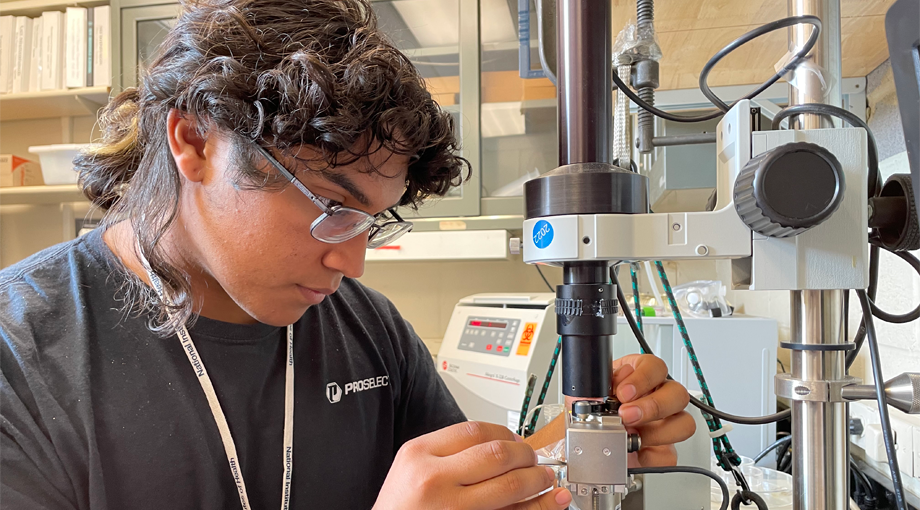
x=187 y=146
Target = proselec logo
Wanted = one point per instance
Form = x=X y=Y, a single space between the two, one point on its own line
x=333 y=392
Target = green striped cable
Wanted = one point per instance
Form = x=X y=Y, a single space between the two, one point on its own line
x=712 y=421
x=531 y=382
x=635 y=289
x=546 y=381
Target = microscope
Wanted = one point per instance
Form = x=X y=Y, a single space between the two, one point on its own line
x=793 y=211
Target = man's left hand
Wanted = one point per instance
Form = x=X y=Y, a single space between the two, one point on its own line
x=653 y=407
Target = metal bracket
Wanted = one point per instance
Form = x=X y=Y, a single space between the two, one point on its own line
x=812 y=391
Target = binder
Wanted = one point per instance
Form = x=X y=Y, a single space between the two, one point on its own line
x=75 y=47
x=52 y=50
x=22 y=54
x=102 y=47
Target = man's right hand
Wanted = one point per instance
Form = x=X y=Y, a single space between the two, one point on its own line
x=471 y=465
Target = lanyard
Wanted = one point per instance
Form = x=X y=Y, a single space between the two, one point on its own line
x=226 y=437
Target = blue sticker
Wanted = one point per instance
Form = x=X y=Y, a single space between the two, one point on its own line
x=542 y=234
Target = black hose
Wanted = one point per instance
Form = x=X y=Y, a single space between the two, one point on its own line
x=658 y=112
x=686 y=469
x=776 y=444
x=741 y=420
x=875 y=181
x=704 y=86
x=551 y=289
x=753 y=34
x=904 y=317
x=861 y=478
x=882 y=399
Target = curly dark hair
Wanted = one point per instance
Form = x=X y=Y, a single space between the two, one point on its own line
x=281 y=73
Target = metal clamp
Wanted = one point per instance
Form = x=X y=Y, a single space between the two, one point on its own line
x=812 y=391
x=582 y=489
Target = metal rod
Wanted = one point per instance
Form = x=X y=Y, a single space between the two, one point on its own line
x=583 y=81
x=819 y=429
x=692 y=139
x=817 y=80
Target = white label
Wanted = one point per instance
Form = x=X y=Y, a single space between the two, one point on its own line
x=513 y=418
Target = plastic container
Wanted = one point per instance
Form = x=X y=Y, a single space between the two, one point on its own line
x=57 y=162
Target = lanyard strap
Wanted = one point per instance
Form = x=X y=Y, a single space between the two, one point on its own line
x=226 y=437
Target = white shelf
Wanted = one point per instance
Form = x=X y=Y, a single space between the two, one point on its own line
x=34 y=8
x=32 y=195
x=53 y=103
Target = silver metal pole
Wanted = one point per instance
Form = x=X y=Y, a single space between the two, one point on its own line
x=817 y=80
x=819 y=429
x=819 y=438
x=583 y=79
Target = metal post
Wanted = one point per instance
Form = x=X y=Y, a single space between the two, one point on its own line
x=819 y=429
x=583 y=79
x=811 y=87
x=819 y=437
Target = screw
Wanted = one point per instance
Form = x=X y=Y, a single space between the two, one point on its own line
x=578 y=450
x=702 y=250
x=676 y=227
x=605 y=489
x=586 y=240
x=607 y=451
x=584 y=491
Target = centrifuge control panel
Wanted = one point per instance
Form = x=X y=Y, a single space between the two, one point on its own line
x=489 y=335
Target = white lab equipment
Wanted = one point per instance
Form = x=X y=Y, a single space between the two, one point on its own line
x=492 y=345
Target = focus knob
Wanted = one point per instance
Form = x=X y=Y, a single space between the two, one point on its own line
x=788 y=190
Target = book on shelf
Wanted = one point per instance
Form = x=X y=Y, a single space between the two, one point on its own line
x=22 y=54
x=35 y=61
x=52 y=50
x=102 y=47
x=88 y=56
x=57 y=50
x=7 y=27
x=75 y=47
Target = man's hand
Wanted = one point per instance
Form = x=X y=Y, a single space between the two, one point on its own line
x=653 y=407
x=470 y=465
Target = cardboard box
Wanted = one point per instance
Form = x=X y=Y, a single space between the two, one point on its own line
x=15 y=171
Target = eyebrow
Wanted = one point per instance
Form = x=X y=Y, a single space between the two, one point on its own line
x=346 y=183
x=349 y=186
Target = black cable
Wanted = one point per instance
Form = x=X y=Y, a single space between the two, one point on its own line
x=704 y=86
x=551 y=289
x=882 y=399
x=741 y=420
x=861 y=478
x=686 y=469
x=905 y=317
x=753 y=34
x=781 y=365
x=657 y=112
x=875 y=181
x=776 y=444
x=781 y=455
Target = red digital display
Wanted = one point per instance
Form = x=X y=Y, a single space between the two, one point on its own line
x=496 y=325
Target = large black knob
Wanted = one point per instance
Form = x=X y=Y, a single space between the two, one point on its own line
x=788 y=190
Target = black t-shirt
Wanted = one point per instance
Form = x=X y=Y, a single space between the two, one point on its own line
x=98 y=412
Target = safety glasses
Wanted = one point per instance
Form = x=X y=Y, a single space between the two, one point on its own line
x=337 y=223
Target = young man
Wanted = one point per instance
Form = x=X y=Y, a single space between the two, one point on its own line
x=208 y=347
